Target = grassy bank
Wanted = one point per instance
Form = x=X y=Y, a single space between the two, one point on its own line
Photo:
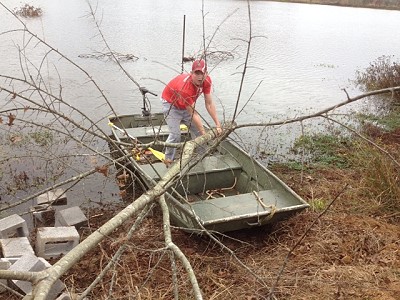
x=349 y=253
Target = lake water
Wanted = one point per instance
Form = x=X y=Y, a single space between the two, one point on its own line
x=301 y=56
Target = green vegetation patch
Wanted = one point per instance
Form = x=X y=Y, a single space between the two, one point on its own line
x=324 y=149
x=388 y=122
x=42 y=138
x=318 y=205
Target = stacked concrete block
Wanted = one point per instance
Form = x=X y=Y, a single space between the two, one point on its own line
x=13 y=226
x=16 y=247
x=32 y=263
x=13 y=238
x=72 y=216
x=4 y=265
x=52 y=242
x=56 y=197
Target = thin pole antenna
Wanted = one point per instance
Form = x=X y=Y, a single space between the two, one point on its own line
x=183 y=42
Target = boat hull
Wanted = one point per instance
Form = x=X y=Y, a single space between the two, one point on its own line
x=225 y=191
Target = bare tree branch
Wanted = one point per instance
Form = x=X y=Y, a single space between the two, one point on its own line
x=175 y=249
x=367 y=140
x=321 y=112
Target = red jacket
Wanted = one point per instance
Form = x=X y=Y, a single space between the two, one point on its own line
x=181 y=91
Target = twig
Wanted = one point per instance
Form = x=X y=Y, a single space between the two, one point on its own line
x=245 y=62
x=11 y=290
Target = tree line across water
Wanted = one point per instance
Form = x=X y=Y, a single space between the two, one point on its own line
x=380 y=4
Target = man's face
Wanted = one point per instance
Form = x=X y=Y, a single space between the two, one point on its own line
x=198 y=77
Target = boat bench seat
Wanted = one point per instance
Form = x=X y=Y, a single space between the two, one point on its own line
x=239 y=205
x=144 y=132
x=210 y=164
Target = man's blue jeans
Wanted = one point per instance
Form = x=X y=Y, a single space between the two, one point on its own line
x=174 y=117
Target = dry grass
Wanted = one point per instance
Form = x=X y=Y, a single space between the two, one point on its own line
x=381 y=172
x=343 y=257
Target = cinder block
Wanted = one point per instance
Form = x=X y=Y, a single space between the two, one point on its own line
x=72 y=216
x=4 y=265
x=11 y=260
x=56 y=197
x=52 y=242
x=64 y=296
x=13 y=226
x=33 y=263
x=28 y=262
x=16 y=247
x=43 y=215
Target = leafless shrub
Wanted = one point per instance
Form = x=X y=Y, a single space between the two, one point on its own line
x=28 y=11
x=110 y=56
x=381 y=73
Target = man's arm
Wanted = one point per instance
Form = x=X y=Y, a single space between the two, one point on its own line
x=210 y=106
x=196 y=119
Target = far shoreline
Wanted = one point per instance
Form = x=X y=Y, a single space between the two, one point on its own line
x=373 y=4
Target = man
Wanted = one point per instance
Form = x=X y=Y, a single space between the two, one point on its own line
x=179 y=98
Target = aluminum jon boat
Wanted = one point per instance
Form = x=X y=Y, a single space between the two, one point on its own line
x=225 y=191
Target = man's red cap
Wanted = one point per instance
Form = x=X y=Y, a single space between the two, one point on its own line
x=199 y=65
